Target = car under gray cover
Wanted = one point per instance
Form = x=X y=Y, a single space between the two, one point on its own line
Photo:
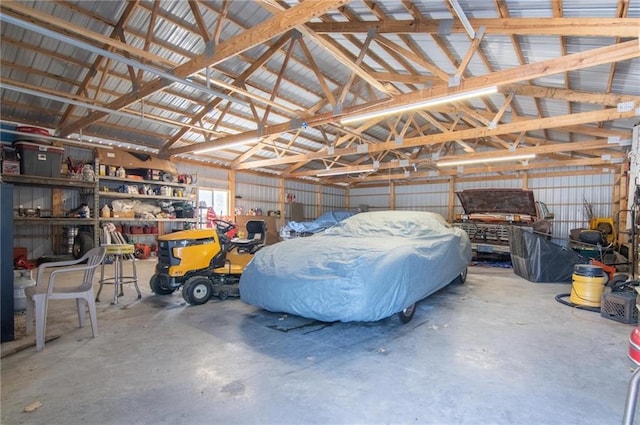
x=368 y=267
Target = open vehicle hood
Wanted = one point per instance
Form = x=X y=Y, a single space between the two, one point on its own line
x=509 y=201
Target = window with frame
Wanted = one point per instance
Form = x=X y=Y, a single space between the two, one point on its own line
x=218 y=199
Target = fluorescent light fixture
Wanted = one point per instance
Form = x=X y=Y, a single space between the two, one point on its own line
x=454 y=163
x=228 y=145
x=339 y=172
x=423 y=104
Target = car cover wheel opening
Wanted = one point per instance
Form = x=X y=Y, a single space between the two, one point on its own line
x=197 y=290
x=407 y=314
x=463 y=275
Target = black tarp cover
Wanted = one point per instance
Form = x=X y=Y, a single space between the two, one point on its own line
x=537 y=259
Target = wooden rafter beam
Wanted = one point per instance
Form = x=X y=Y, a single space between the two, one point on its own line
x=575 y=61
x=595 y=98
x=330 y=48
x=402 y=63
x=222 y=16
x=403 y=78
x=433 y=139
x=150 y=28
x=238 y=82
x=316 y=70
x=414 y=57
x=272 y=27
x=358 y=62
x=93 y=69
x=480 y=169
x=197 y=15
x=596 y=27
x=56 y=24
x=283 y=69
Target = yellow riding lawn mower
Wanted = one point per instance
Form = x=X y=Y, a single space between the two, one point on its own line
x=205 y=262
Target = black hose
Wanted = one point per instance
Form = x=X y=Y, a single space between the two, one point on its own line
x=560 y=299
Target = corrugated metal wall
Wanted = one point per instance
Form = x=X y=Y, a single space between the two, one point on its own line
x=370 y=198
x=255 y=192
x=208 y=177
x=306 y=194
x=433 y=197
x=564 y=191
x=333 y=199
x=567 y=195
x=261 y=192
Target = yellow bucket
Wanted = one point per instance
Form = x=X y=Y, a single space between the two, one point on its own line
x=588 y=285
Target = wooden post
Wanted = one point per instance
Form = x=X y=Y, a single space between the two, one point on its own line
x=452 y=199
x=232 y=193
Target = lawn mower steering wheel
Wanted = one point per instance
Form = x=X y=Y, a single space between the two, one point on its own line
x=223 y=226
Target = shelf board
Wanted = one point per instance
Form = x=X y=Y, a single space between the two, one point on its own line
x=55 y=221
x=161 y=220
x=138 y=196
x=139 y=181
x=46 y=181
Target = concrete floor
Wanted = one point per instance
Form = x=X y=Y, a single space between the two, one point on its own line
x=496 y=350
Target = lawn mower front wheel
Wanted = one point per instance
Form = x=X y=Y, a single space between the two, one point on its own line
x=156 y=286
x=197 y=290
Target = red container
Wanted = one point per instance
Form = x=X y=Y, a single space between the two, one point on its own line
x=634 y=346
x=142 y=251
x=31 y=130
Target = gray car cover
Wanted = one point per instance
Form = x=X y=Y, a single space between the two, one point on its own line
x=365 y=268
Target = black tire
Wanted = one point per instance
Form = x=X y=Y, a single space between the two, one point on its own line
x=223 y=294
x=197 y=290
x=82 y=243
x=157 y=288
x=463 y=276
x=407 y=314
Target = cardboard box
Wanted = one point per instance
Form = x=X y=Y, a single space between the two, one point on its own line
x=39 y=160
x=9 y=153
x=10 y=167
x=124 y=214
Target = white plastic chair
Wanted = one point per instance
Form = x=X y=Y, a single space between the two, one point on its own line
x=38 y=296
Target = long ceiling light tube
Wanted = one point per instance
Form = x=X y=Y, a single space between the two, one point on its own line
x=102 y=52
x=228 y=145
x=339 y=172
x=423 y=104
x=454 y=163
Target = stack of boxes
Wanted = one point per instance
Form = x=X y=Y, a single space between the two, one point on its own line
x=30 y=154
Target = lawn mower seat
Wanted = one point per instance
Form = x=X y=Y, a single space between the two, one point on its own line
x=256 y=235
x=593 y=237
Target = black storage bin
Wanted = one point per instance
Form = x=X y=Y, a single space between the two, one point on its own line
x=39 y=160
